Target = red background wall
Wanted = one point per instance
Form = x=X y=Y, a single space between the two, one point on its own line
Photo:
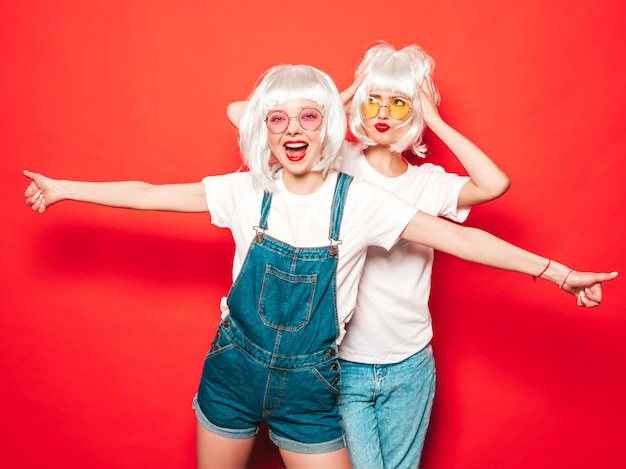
x=105 y=315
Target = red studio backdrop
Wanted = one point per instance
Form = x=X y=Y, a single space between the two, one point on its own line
x=105 y=315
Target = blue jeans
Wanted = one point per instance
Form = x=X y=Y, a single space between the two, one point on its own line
x=386 y=410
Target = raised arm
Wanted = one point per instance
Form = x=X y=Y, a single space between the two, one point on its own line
x=481 y=247
x=488 y=181
x=43 y=192
x=234 y=112
x=347 y=94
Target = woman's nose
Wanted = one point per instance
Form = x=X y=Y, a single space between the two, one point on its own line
x=294 y=125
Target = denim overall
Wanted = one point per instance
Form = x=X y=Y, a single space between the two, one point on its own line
x=274 y=358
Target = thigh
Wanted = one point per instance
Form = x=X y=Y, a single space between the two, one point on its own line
x=357 y=409
x=403 y=411
x=218 y=452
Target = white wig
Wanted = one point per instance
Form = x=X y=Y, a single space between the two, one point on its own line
x=276 y=86
x=399 y=71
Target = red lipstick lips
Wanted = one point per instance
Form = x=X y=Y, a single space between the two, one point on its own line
x=382 y=127
x=295 y=151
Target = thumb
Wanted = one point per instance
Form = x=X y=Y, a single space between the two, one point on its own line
x=605 y=277
x=610 y=276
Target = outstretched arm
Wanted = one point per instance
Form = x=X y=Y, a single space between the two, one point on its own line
x=44 y=191
x=488 y=181
x=481 y=247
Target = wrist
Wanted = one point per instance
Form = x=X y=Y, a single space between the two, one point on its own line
x=557 y=273
x=434 y=121
x=65 y=190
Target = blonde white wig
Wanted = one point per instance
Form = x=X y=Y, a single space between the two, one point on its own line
x=278 y=85
x=400 y=72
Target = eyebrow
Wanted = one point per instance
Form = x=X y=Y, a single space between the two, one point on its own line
x=299 y=110
x=396 y=95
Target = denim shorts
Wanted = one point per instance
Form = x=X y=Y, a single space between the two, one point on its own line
x=238 y=392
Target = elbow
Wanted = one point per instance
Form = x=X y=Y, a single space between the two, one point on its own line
x=234 y=111
x=474 y=195
x=231 y=114
x=500 y=189
x=496 y=188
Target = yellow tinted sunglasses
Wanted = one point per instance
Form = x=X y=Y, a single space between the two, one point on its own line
x=398 y=107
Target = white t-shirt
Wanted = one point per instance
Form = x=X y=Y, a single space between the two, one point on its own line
x=392 y=320
x=371 y=217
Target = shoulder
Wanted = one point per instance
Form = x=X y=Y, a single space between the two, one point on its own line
x=428 y=173
x=230 y=188
x=350 y=155
x=365 y=194
x=241 y=177
x=426 y=169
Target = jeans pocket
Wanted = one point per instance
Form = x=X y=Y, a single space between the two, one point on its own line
x=329 y=374
x=221 y=343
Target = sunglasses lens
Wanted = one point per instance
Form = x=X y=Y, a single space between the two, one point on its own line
x=277 y=121
x=310 y=119
x=398 y=108
x=371 y=108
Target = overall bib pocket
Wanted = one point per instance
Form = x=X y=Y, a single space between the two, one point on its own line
x=290 y=313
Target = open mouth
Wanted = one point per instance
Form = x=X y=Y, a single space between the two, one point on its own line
x=295 y=151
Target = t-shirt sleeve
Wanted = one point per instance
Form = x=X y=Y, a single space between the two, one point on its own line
x=384 y=215
x=224 y=193
x=443 y=190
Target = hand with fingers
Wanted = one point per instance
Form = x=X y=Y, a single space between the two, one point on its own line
x=41 y=192
x=347 y=94
x=586 y=286
x=429 y=100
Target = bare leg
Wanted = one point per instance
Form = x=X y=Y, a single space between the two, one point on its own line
x=218 y=452
x=335 y=459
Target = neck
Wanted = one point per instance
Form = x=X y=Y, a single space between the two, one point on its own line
x=303 y=184
x=386 y=162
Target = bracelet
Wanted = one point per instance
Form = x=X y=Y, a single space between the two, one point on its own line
x=563 y=282
x=535 y=277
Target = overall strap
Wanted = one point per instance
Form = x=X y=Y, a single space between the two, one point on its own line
x=339 y=199
x=265 y=209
